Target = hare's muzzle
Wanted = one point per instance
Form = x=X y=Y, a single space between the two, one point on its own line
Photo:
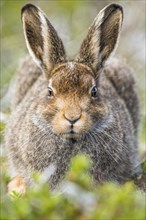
x=72 y=119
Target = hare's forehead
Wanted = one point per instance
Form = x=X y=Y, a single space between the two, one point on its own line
x=72 y=75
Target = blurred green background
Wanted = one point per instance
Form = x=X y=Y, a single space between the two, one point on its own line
x=71 y=19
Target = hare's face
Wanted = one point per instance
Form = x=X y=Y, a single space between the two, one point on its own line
x=73 y=104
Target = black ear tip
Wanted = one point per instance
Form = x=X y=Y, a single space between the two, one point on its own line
x=115 y=6
x=27 y=7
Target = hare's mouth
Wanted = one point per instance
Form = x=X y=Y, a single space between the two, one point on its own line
x=71 y=135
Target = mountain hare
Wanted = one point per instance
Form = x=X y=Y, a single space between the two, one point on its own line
x=64 y=107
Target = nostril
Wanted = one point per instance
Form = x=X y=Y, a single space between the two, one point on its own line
x=72 y=120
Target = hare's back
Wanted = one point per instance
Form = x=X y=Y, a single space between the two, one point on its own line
x=27 y=73
x=123 y=80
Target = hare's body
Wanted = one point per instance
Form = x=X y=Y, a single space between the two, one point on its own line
x=113 y=149
x=43 y=131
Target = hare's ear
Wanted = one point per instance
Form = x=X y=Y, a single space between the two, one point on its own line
x=102 y=37
x=42 y=40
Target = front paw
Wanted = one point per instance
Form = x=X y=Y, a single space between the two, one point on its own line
x=17 y=185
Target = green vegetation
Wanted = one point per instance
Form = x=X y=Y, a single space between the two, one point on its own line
x=2 y=126
x=82 y=200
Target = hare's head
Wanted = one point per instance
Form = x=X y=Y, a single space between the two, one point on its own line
x=73 y=104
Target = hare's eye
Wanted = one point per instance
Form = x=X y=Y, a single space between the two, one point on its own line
x=50 y=92
x=94 y=92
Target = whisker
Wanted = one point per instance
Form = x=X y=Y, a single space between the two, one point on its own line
x=114 y=139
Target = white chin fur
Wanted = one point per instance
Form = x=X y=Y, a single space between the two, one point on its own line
x=71 y=136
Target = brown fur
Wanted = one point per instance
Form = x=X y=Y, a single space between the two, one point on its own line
x=90 y=107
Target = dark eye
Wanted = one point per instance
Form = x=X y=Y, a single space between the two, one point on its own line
x=50 y=92
x=94 y=92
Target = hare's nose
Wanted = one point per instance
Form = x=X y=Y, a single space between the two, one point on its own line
x=72 y=119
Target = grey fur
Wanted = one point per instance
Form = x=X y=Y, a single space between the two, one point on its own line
x=111 y=141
